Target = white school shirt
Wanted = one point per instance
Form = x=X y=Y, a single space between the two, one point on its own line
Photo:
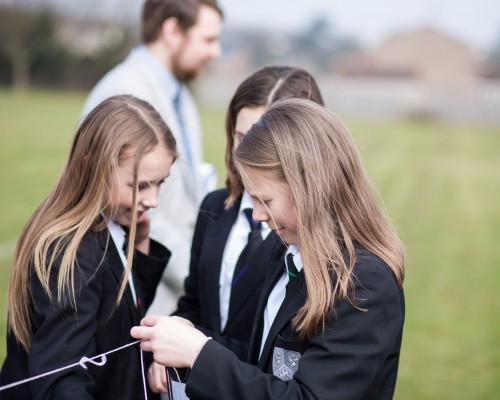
x=236 y=242
x=118 y=236
x=277 y=295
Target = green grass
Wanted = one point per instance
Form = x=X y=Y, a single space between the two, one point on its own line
x=441 y=186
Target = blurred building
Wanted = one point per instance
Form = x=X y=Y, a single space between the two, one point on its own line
x=427 y=55
x=419 y=73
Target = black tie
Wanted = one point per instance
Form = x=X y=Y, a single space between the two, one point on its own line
x=294 y=283
x=254 y=241
x=291 y=268
x=182 y=126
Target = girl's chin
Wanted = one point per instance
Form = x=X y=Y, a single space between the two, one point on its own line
x=125 y=218
x=288 y=237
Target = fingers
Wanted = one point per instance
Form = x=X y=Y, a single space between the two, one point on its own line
x=151 y=379
x=157 y=378
x=171 y=340
x=151 y=320
x=145 y=331
x=183 y=321
x=141 y=332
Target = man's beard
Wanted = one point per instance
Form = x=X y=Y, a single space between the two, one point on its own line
x=183 y=74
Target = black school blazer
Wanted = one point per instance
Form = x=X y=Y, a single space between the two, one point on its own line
x=355 y=357
x=200 y=304
x=62 y=336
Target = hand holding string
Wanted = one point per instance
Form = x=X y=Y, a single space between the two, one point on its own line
x=173 y=342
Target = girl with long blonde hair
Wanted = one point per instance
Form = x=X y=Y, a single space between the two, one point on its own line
x=227 y=269
x=215 y=286
x=84 y=269
x=330 y=321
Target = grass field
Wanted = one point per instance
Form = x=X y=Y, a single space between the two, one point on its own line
x=440 y=183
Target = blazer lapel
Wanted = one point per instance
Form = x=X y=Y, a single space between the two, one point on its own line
x=116 y=266
x=140 y=306
x=274 y=273
x=217 y=237
x=288 y=309
x=252 y=278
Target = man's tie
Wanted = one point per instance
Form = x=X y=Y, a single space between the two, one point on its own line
x=254 y=241
x=177 y=103
x=182 y=125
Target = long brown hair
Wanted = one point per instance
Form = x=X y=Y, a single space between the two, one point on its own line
x=115 y=129
x=303 y=144
x=263 y=88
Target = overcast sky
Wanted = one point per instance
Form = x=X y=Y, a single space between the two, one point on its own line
x=475 y=21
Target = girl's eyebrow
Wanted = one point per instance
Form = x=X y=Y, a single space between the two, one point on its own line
x=251 y=194
x=152 y=181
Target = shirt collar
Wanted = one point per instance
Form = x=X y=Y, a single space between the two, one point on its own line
x=297 y=260
x=117 y=233
x=170 y=84
x=246 y=201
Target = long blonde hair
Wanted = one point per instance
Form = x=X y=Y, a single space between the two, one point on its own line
x=303 y=144
x=115 y=129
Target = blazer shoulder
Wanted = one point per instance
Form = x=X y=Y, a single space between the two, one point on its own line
x=213 y=203
x=215 y=198
x=90 y=252
x=371 y=271
x=92 y=255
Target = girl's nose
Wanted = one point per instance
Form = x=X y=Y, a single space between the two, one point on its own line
x=259 y=213
x=151 y=200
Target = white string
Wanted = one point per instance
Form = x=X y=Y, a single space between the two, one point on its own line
x=82 y=363
x=176 y=373
x=143 y=378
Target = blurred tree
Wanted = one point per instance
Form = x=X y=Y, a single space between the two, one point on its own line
x=26 y=40
x=320 y=42
x=493 y=62
x=43 y=43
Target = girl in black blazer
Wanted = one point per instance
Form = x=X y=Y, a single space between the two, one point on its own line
x=221 y=294
x=84 y=269
x=331 y=316
x=224 y=306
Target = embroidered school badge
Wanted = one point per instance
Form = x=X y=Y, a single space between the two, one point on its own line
x=285 y=363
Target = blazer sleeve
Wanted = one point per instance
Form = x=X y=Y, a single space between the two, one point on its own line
x=62 y=335
x=149 y=269
x=341 y=362
x=238 y=347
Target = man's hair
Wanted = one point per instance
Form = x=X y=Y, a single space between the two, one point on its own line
x=155 y=12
